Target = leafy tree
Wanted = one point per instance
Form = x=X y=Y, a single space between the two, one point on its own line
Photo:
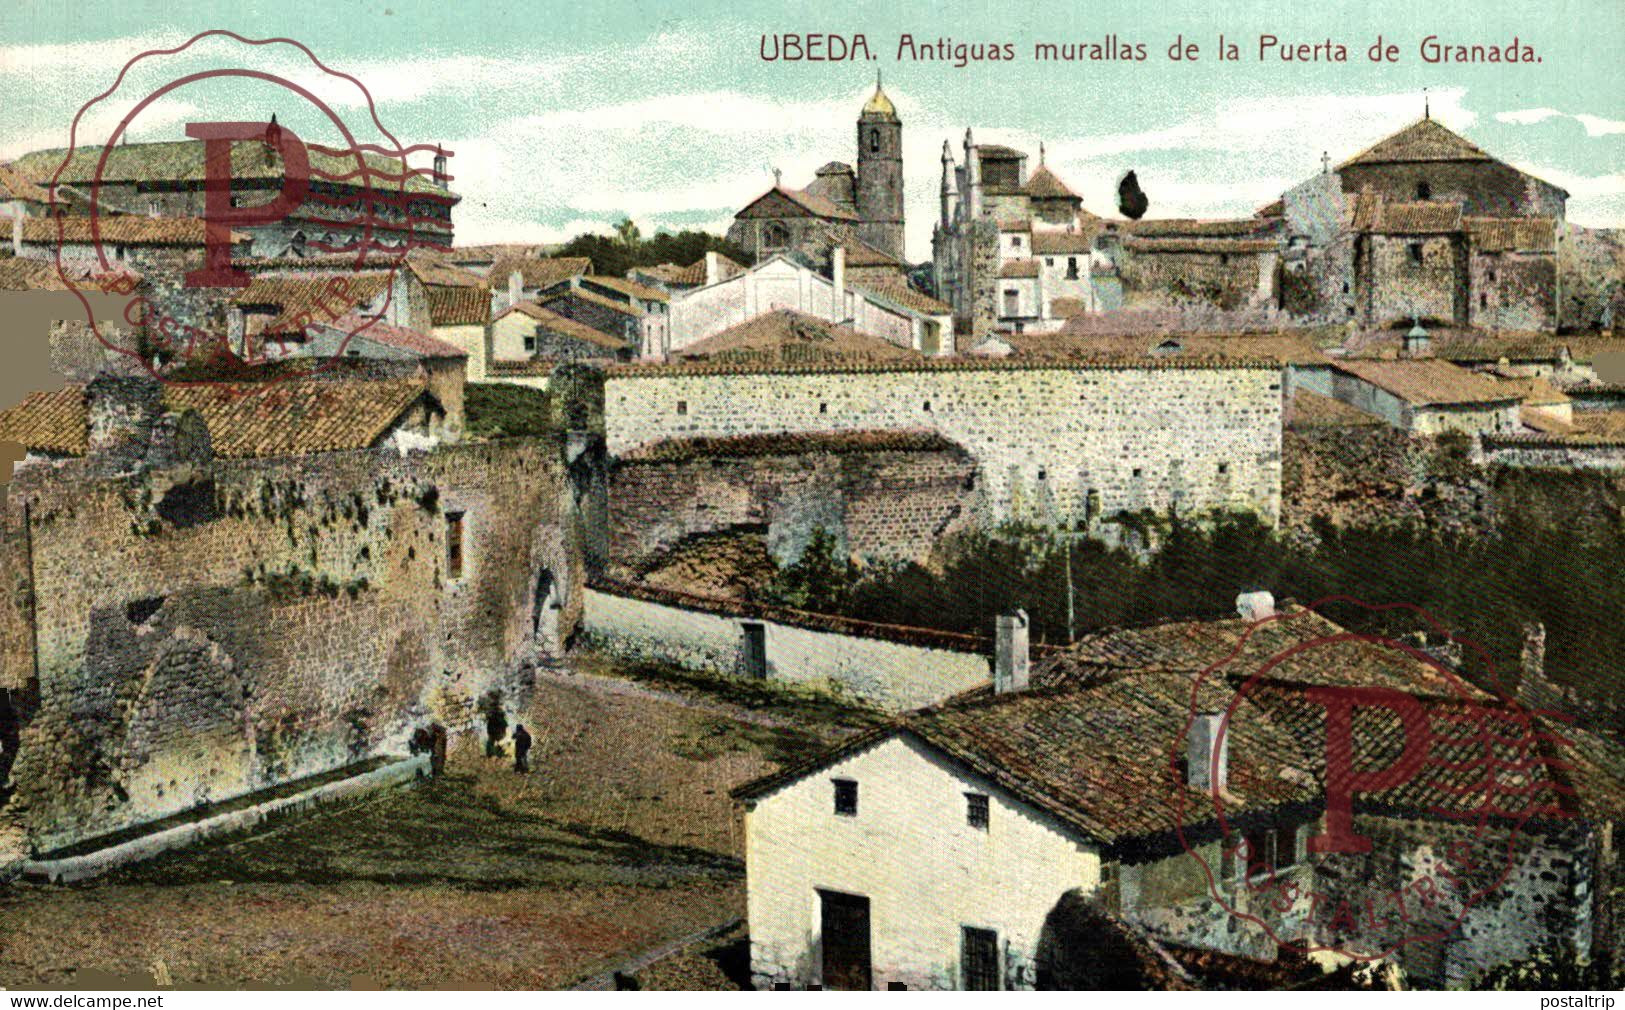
x=820 y=580
x=614 y=256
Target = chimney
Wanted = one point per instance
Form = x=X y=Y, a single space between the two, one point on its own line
x=1010 y=659
x=1417 y=342
x=837 y=274
x=439 y=176
x=1534 y=690
x=1205 y=770
x=713 y=268
x=1255 y=606
x=515 y=289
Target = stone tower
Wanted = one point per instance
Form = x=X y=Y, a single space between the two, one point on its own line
x=880 y=174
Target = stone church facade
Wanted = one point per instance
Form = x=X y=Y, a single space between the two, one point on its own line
x=841 y=203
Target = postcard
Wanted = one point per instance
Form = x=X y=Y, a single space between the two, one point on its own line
x=937 y=496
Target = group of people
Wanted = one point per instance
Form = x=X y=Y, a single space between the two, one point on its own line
x=496 y=727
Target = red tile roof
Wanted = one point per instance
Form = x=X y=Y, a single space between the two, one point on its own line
x=593 y=298
x=18 y=273
x=900 y=294
x=14 y=186
x=789 y=337
x=400 y=337
x=1422 y=217
x=1019 y=268
x=565 y=326
x=1064 y=242
x=1423 y=140
x=1045 y=184
x=127 y=229
x=630 y=288
x=245 y=419
x=539 y=273
x=1429 y=381
x=1511 y=234
x=459 y=306
x=304 y=298
x=1242 y=246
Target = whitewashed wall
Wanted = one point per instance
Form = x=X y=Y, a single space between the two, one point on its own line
x=894 y=675
x=909 y=850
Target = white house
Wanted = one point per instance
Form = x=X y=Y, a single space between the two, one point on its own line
x=1069 y=835
x=894 y=313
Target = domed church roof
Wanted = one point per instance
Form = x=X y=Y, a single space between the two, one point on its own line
x=879 y=106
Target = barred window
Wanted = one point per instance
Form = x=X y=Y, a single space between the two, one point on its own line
x=976 y=811
x=979 y=959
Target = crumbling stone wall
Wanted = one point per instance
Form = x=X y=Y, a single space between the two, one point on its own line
x=881 y=506
x=1513 y=291
x=302 y=614
x=1406 y=277
x=1228 y=280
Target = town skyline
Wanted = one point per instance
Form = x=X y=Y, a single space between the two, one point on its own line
x=688 y=121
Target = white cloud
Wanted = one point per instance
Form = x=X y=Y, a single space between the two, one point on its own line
x=1526 y=117
x=1595 y=126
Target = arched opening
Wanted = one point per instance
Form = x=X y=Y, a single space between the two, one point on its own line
x=1082 y=947
x=874 y=141
x=546 y=608
x=775 y=236
x=10 y=737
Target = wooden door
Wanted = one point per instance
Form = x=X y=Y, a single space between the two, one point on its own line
x=845 y=930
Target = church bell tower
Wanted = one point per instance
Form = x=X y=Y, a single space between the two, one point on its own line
x=880 y=174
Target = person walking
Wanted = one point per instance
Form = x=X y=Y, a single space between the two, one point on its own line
x=521 y=749
x=496 y=727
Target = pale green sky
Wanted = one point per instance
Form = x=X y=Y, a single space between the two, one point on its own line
x=565 y=116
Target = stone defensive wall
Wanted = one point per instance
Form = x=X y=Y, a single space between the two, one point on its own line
x=892 y=667
x=883 y=496
x=1072 y=442
x=177 y=638
x=1578 y=452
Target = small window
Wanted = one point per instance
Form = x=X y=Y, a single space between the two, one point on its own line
x=1416 y=252
x=1224 y=259
x=1138 y=471
x=823 y=408
x=1071 y=268
x=1015 y=241
x=927 y=407
x=1424 y=191
x=1224 y=467
x=1491 y=276
x=1043 y=474
x=846 y=797
x=1049 y=261
x=979 y=959
x=1483 y=300
x=976 y=811
x=682 y=408
x=1271 y=849
x=530 y=344
x=874 y=141
x=454 y=545
x=1345 y=287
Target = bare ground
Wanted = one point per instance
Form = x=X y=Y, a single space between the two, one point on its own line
x=622 y=838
